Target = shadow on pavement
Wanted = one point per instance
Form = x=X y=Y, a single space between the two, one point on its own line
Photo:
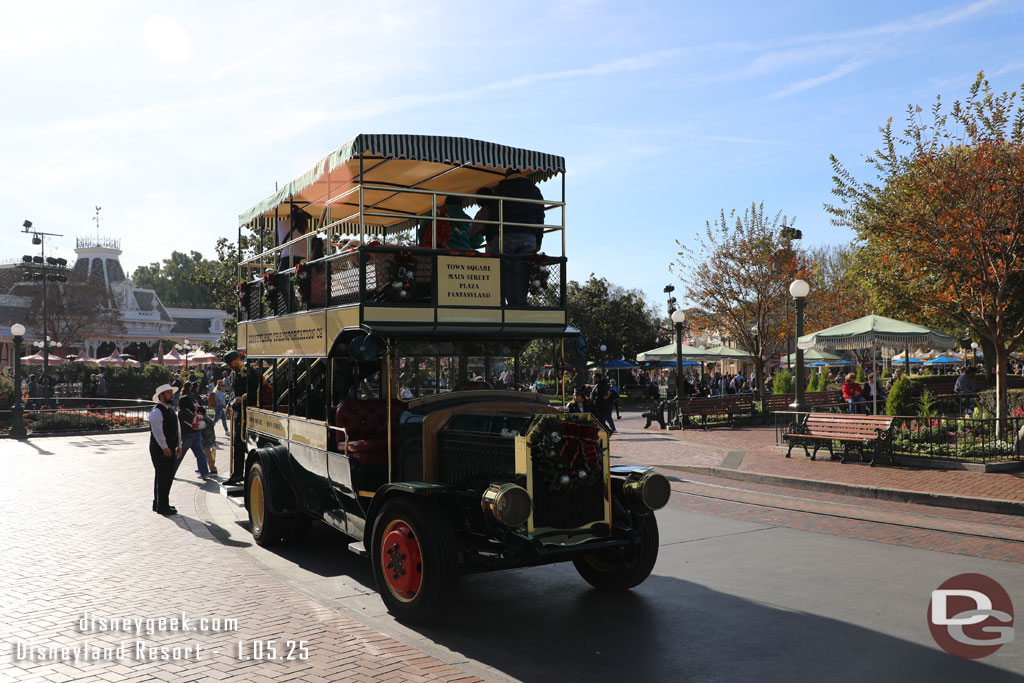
x=323 y=551
x=543 y=629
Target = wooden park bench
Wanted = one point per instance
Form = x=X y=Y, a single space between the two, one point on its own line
x=732 y=405
x=814 y=399
x=859 y=431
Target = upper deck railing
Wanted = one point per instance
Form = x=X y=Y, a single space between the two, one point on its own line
x=352 y=260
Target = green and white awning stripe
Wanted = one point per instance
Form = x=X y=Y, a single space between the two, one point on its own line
x=875 y=330
x=448 y=150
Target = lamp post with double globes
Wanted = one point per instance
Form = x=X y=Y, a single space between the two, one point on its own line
x=799 y=289
x=17 y=418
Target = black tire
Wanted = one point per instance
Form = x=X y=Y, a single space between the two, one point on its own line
x=435 y=542
x=617 y=570
x=268 y=528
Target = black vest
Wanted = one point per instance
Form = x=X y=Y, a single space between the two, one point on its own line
x=170 y=428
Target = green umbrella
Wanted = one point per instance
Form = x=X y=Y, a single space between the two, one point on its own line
x=873 y=331
x=668 y=352
x=816 y=355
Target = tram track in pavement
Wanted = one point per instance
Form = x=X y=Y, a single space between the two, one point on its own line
x=905 y=518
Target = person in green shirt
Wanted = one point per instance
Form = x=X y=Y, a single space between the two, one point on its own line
x=461 y=239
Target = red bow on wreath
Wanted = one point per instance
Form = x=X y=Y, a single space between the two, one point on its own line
x=579 y=441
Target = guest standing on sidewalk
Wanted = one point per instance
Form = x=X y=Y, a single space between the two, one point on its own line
x=164 y=448
x=220 y=405
x=190 y=419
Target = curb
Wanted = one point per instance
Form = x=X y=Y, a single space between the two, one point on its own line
x=992 y=505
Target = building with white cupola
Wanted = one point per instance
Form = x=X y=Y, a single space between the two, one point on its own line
x=136 y=313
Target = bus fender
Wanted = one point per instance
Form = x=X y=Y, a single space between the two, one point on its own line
x=395 y=489
x=274 y=459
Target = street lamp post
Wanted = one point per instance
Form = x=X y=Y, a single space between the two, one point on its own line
x=974 y=352
x=186 y=347
x=799 y=289
x=679 y=321
x=18 y=430
x=43 y=269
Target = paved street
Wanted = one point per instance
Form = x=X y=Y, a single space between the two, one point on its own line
x=754 y=581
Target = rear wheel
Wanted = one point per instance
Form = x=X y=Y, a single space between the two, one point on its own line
x=622 y=569
x=268 y=528
x=414 y=558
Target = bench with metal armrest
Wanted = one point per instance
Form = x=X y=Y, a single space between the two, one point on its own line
x=857 y=431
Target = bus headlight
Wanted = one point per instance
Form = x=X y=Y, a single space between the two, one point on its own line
x=646 y=490
x=508 y=503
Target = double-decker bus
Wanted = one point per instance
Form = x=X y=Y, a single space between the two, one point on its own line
x=372 y=353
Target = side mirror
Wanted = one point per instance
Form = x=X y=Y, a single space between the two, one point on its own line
x=365 y=349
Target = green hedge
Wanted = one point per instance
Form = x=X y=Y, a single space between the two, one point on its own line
x=986 y=404
x=121 y=382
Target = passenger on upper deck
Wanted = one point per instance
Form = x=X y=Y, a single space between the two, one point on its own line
x=289 y=228
x=461 y=237
x=519 y=240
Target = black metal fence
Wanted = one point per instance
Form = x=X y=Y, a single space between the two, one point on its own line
x=71 y=415
x=951 y=437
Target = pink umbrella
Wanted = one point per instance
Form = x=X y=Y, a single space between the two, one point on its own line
x=83 y=357
x=37 y=359
x=113 y=360
x=173 y=358
x=201 y=357
x=159 y=358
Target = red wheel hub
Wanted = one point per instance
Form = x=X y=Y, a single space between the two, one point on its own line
x=400 y=560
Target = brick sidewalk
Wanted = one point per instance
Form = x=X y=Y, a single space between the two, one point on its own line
x=79 y=536
x=709 y=448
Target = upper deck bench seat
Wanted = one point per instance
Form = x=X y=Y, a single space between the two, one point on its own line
x=366 y=422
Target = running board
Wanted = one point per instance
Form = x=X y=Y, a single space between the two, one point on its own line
x=358 y=548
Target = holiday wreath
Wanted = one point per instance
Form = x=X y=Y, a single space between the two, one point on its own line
x=567 y=453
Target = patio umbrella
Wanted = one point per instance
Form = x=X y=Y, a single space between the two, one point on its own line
x=818 y=357
x=201 y=357
x=114 y=360
x=668 y=352
x=943 y=360
x=901 y=358
x=170 y=358
x=37 y=359
x=872 y=331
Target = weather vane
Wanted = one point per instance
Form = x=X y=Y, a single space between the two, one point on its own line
x=96 y=218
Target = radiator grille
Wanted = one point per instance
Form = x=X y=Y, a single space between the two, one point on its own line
x=561 y=509
x=474 y=460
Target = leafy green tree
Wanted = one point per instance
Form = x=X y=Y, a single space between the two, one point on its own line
x=614 y=316
x=175 y=280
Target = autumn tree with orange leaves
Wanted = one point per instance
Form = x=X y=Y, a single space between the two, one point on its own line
x=736 y=277
x=947 y=215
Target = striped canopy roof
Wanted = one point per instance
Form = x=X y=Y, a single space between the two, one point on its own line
x=426 y=162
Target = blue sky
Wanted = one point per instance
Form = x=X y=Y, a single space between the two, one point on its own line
x=174 y=117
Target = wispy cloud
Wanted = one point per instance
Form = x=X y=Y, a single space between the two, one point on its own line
x=882 y=47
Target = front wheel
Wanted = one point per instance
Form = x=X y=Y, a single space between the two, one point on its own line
x=622 y=569
x=414 y=558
